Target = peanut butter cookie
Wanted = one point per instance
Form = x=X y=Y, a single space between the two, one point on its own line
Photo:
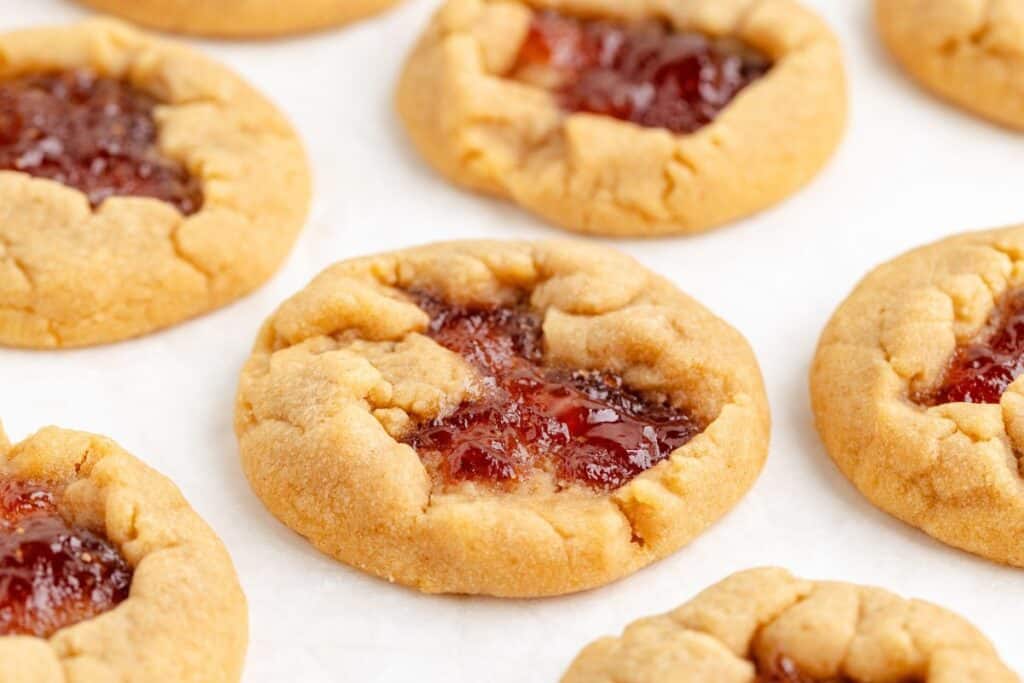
x=141 y=185
x=765 y=626
x=511 y=419
x=107 y=573
x=240 y=18
x=627 y=118
x=970 y=52
x=916 y=392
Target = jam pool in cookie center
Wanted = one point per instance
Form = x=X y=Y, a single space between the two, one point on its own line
x=52 y=575
x=91 y=133
x=643 y=72
x=582 y=427
x=982 y=369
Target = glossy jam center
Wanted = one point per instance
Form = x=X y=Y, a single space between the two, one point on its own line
x=982 y=369
x=51 y=575
x=580 y=426
x=642 y=72
x=94 y=134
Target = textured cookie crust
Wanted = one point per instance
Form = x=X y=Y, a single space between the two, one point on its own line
x=72 y=276
x=831 y=631
x=953 y=470
x=341 y=372
x=597 y=174
x=971 y=52
x=185 y=620
x=240 y=18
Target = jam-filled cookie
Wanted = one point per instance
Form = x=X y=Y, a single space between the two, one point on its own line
x=240 y=18
x=502 y=418
x=106 y=573
x=140 y=184
x=916 y=391
x=765 y=626
x=970 y=52
x=634 y=117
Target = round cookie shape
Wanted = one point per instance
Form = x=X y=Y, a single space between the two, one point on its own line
x=915 y=391
x=240 y=18
x=163 y=186
x=749 y=135
x=766 y=626
x=969 y=52
x=393 y=413
x=174 y=610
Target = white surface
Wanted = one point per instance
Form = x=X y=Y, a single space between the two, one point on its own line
x=911 y=170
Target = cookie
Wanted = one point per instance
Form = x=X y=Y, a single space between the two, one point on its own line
x=915 y=393
x=239 y=18
x=765 y=626
x=503 y=418
x=141 y=185
x=969 y=52
x=627 y=118
x=106 y=573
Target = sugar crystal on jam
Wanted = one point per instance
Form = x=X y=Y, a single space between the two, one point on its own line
x=52 y=575
x=92 y=133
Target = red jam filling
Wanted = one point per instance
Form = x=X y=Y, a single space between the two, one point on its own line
x=982 y=370
x=583 y=427
x=94 y=134
x=642 y=72
x=51 y=575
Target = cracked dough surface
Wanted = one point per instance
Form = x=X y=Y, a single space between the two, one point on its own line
x=185 y=620
x=597 y=174
x=341 y=372
x=72 y=276
x=970 y=52
x=952 y=470
x=829 y=630
x=239 y=18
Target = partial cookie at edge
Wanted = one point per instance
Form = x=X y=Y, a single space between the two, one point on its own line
x=240 y=18
x=827 y=630
x=185 y=619
x=953 y=469
x=970 y=52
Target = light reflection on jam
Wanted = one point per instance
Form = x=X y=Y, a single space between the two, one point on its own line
x=982 y=369
x=642 y=72
x=583 y=427
x=51 y=575
x=91 y=133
